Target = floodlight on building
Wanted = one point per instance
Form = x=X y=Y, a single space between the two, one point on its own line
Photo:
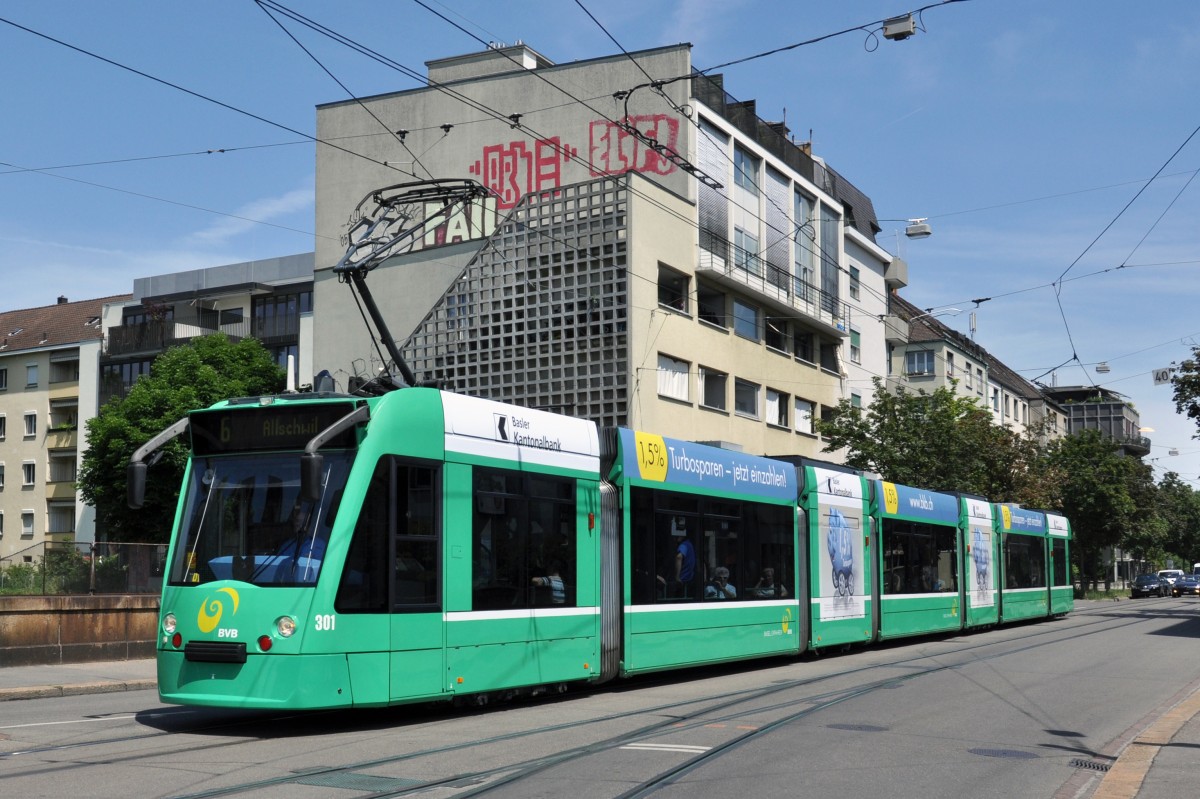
x=918 y=229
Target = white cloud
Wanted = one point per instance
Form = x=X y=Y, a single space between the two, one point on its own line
x=249 y=216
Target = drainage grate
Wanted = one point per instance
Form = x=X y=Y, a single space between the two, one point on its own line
x=357 y=782
x=1092 y=765
x=1015 y=754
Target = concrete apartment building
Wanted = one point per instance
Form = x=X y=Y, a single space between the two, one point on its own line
x=926 y=354
x=270 y=300
x=660 y=258
x=48 y=367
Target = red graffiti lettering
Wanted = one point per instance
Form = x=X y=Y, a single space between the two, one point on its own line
x=514 y=169
x=615 y=150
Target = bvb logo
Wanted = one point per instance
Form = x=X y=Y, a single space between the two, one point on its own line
x=210 y=612
x=786 y=621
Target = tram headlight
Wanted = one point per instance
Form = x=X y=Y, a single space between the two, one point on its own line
x=168 y=624
x=285 y=626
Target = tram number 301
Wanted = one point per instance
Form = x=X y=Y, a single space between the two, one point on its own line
x=325 y=622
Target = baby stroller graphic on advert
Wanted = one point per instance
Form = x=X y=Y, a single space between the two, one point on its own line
x=841 y=553
x=982 y=558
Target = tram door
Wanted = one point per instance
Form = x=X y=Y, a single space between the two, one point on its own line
x=417 y=660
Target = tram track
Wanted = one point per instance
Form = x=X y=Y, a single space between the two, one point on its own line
x=674 y=717
x=718 y=710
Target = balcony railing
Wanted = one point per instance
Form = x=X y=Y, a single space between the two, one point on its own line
x=748 y=269
x=157 y=335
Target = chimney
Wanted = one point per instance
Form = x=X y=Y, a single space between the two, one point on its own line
x=62 y=300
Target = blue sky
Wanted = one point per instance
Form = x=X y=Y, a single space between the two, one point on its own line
x=1020 y=128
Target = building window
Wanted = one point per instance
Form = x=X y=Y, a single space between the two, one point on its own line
x=30 y=424
x=745 y=170
x=979 y=384
x=829 y=356
x=918 y=362
x=1 y=524
x=967 y=372
x=855 y=346
x=3 y=426
x=28 y=473
x=855 y=400
x=803 y=343
x=1 y=476
x=775 y=334
x=31 y=376
x=996 y=400
x=745 y=252
x=3 y=380
x=279 y=314
x=854 y=283
x=745 y=398
x=745 y=320
x=777 y=408
x=805 y=243
x=1007 y=406
x=712 y=386
x=672 y=289
x=673 y=378
x=26 y=523
x=949 y=365
x=804 y=416
x=710 y=306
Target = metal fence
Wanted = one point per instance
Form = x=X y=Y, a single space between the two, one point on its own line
x=59 y=568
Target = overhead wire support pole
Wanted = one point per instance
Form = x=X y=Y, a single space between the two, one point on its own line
x=388 y=229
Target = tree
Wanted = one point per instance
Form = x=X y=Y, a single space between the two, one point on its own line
x=940 y=441
x=1179 y=507
x=1186 y=385
x=1103 y=493
x=182 y=379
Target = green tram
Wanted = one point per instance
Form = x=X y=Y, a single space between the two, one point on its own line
x=1035 y=566
x=332 y=550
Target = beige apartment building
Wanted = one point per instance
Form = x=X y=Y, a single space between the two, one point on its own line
x=660 y=258
x=49 y=360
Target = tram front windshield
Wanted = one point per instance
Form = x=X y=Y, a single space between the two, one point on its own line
x=244 y=519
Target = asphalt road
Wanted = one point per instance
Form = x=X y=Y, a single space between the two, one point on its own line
x=1038 y=710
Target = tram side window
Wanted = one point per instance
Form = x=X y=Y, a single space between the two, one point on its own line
x=919 y=558
x=524 y=540
x=416 y=566
x=1060 y=563
x=363 y=586
x=1024 y=561
x=681 y=543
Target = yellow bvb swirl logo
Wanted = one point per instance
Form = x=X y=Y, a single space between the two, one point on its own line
x=210 y=612
x=786 y=621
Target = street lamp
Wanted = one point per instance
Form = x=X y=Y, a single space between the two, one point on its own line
x=918 y=228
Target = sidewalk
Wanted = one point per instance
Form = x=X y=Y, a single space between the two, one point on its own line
x=71 y=679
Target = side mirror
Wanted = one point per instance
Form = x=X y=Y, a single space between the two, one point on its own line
x=311 y=466
x=135 y=488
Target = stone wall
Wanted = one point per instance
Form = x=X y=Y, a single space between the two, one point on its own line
x=47 y=630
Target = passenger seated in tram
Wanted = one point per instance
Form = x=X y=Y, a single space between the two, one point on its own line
x=766 y=588
x=554 y=581
x=719 y=586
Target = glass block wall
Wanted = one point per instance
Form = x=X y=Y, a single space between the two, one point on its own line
x=539 y=316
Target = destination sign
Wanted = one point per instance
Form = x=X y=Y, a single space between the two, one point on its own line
x=267 y=429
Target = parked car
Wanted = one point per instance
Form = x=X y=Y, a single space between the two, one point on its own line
x=1186 y=585
x=1171 y=575
x=1149 y=585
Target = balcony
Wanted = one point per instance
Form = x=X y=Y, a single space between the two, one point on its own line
x=157 y=335
x=60 y=491
x=895 y=330
x=732 y=266
x=62 y=438
x=1138 y=446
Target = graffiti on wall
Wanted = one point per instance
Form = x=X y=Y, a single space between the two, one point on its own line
x=515 y=168
x=614 y=150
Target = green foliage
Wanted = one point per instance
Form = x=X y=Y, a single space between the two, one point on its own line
x=1186 y=385
x=207 y=370
x=940 y=441
x=1105 y=494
